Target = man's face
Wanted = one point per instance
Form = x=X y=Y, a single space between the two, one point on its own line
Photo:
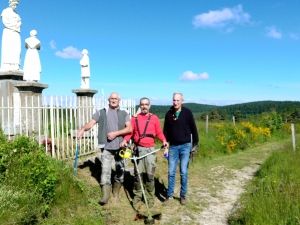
x=177 y=101
x=145 y=106
x=114 y=101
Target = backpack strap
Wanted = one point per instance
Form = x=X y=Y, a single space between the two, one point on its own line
x=144 y=133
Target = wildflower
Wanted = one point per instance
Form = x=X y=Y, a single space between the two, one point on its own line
x=274 y=181
x=48 y=143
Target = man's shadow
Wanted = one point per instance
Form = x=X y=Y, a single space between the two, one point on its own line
x=94 y=167
x=160 y=188
x=128 y=185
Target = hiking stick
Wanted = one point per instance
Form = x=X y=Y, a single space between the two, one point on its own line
x=76 y=158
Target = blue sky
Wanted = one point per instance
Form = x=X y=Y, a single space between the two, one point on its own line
x=216 y=52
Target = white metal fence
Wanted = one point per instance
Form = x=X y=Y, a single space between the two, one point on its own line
x=54 y=121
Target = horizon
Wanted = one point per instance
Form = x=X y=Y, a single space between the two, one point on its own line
x=215 y=53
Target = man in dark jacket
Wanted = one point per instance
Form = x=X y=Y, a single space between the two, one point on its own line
x=179 y=128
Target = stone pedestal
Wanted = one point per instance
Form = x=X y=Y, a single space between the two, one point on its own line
x=85 y=105
x=20 y=104
x=11 y=75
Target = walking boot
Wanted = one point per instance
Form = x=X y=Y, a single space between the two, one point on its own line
x=106 y=189
x=116 y=191
x=183 y=200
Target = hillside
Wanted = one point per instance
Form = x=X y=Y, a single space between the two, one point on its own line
x=250 y=108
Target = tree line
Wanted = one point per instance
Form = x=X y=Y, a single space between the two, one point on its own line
x=289 y=110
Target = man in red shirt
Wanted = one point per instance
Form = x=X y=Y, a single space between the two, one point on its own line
x=145 y=126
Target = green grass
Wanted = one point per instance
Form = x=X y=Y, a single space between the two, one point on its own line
x=273 y=197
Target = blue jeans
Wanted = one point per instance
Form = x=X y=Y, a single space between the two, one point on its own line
x=181 y=153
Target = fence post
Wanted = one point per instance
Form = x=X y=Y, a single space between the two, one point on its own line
x=293 y=136
x=52 y=127
x=233 y=120
x=206 y=126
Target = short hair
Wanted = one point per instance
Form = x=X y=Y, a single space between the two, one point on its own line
x=114 y=93
x=178 y=93
x=144 y=98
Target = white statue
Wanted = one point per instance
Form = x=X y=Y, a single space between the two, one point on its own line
x=11 y=41
x=85 y=70
x=32 y=65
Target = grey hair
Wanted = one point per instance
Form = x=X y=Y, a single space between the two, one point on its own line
x=178 y=93
x=144 y=98
x=116 y=94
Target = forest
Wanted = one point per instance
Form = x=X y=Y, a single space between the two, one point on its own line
x=289 y=110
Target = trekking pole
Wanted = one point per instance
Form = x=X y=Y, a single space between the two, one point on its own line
x=76 y=158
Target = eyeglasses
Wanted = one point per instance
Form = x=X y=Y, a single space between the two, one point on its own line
x=146 y=104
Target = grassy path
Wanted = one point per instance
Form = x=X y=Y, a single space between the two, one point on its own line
x=214 y=187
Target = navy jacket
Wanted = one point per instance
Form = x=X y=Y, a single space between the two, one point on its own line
x=178 y=130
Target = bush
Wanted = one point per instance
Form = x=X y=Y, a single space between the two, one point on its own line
x=25 y=165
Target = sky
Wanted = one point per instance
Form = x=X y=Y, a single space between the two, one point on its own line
x=218 y=52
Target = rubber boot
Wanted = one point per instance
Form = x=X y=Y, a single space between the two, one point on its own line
x=106 y=189
x=116 y=191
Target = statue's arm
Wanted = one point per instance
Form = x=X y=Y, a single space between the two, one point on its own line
x=9 y=21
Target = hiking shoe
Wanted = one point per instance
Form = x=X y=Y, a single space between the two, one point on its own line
x=167 y=201
x=183 y=200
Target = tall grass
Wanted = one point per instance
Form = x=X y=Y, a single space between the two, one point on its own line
x=273 y=197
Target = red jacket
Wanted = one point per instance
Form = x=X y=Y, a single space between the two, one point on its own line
x=152 y=128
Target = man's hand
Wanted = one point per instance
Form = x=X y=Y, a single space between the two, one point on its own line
x=111 y=136
x=166 y=152
x=123 y=144
x=194 y=150
x=165 y=144
x=80 y=133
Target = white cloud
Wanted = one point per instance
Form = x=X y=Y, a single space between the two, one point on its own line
x=273 y=32
x=69 y=53
x=190 y=76
x=221 y=18
x=52 y=44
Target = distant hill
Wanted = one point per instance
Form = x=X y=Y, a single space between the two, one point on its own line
x=250 y=108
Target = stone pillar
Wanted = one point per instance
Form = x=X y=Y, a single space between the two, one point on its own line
x=18 y=103
x=31 y=98
x=85 y=104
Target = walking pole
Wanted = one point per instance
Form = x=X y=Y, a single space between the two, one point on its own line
x=76 y=158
